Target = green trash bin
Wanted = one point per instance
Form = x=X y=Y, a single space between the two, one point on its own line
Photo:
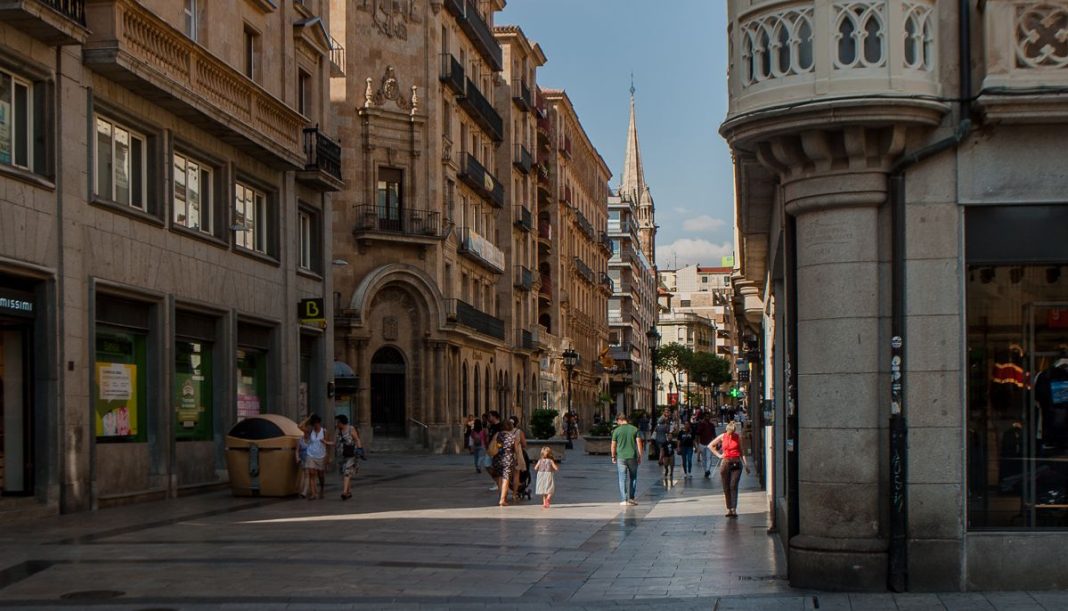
x=260 y=456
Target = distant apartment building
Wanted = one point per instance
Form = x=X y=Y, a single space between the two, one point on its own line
x=164 y=179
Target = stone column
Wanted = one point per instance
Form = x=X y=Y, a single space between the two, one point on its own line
x=438 y=372
x=834 y=184
x=362 y=406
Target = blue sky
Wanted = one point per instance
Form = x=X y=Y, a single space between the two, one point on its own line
x=678 y=53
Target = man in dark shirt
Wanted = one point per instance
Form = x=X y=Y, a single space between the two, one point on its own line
x=494 y=420
x=706 y=432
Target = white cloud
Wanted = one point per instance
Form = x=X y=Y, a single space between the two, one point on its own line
x=687 y=251
x=702 y=223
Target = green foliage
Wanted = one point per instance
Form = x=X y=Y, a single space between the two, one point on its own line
x=543 y=423
x=604 y=397
x=602 y=429
x=673 y=358
x=716 y=368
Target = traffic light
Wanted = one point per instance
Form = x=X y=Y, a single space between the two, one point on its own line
x=735 y=393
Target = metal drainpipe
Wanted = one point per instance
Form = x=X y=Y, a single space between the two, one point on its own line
x=897 y=580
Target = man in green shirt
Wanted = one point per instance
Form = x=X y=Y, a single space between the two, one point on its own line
x=626 y=455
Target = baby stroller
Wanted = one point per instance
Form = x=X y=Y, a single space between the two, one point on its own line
x=523 y=490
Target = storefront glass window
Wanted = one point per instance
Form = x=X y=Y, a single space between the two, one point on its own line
x=251 y=383
x=1017 y=396
x=119 y=401
x=192 y=391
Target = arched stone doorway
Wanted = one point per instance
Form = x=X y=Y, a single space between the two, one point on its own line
x=388 y=372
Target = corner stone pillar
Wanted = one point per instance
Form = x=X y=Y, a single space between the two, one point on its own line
x=842 y=538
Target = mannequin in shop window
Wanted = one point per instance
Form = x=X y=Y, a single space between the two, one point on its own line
x=1051 y=394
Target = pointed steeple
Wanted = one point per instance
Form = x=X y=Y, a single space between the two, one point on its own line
x=633 y=185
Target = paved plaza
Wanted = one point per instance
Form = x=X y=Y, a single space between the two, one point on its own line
x=424 y=532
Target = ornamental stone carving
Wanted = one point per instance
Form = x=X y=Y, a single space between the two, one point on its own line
x=1041 y=35
x=389 y=89
x=392 y=18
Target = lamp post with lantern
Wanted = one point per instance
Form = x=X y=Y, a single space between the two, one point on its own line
x=571 y=359
x=654 y=343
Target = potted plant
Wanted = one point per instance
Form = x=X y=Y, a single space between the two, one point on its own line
x=542 y=429
x=599 y=440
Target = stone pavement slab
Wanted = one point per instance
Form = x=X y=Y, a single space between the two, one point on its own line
x=424 y=532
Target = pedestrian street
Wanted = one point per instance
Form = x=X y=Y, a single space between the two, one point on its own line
x=420 y=532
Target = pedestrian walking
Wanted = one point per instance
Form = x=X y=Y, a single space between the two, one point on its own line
x=662 y=430
x=350 y=450
x=315 y=460
x=493 y=421
x=301 y=456
x=469 y=426
x=546 y=485
x=503 y=449
x=728 y=448
x=521 y=475
x=706 y=432
x=626 y=456
x=667 y=459
x=478 y=444
x=686 y=447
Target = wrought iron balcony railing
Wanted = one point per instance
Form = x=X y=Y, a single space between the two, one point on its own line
x=584 y=271
x=337 y=58
x=54 y=22
x=521 y=95
x=405 y=221
x=323 y=153
x=482 y=111
x=476 y=176
x=523 y=218
x=475 y=319
x=481 y=35
x=452 y=74
x=481 y=250
x=524 y=278
x=607 y=282
x=522 y=159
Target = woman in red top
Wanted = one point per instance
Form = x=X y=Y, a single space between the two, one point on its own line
x=728 y=448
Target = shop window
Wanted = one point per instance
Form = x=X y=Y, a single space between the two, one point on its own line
x=194 y=187
x=251 y=383
x=192 y=390
x=120 y=397
x=250 y=218
x=1017 y=367
x=121 y=165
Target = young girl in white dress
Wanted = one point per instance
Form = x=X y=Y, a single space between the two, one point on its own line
x=545 y=469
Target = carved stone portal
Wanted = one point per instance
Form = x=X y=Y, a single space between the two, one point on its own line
x=389 y=88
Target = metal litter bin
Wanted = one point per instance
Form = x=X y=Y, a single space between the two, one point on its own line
x=260 y=455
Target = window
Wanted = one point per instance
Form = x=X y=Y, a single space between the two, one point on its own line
x=303 y=92
x=121 y=172
x=193 y=187
x=191 y=16
x=250 y=218
x=251 y=52
x=389 y=200
x=16 y=121
x=306 y=237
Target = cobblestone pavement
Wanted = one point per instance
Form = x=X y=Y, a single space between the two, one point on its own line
x=424 y=532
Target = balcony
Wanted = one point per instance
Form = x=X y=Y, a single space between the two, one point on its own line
x=585 y=226
x=337 y=58
x=565 y=196
x=545 y=231
x=524 y=278
x=608 y=283
x=606 y=243
x=565 y=147
x=521 y=95
x=452 y=74
x=1026 y=51
x=420 y=226
x=526 y=340
x=522 y=159
x=482 y=251
x=545 y=289
x=480 y=34
x=53 y=22
x=455 y=8
x=621 y=351
x=132 y=46
x=482 y=111
x=478 y=178
x=584 y=271
x=867 y=57
x=475 y=319
x=524 y=219
x=322 y=170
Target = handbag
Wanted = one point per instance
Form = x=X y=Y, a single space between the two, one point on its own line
x=494 y=447
x=348 y=450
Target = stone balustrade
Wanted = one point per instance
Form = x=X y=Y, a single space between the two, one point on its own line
x=786 y=52
x=133 y=45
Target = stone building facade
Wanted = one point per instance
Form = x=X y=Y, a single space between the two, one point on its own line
x=163 y=197
x=436 y=233
x=901 y=243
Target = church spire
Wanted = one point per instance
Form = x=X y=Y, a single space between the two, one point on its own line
x=632 y=185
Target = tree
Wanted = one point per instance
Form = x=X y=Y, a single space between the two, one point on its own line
x=707 y=366
x=672 y=358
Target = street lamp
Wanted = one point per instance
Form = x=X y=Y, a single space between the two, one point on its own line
x=654 y=342
x=571 y=359
x=704 y=382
